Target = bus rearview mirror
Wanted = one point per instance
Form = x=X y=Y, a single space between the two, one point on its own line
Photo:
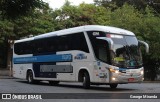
x=145 y=44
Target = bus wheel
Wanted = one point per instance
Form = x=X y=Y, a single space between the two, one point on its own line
x=54 y=83
x=86 y=80
x=30 y=78
x=113 y=86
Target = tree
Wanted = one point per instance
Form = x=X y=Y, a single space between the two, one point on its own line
x=106 y=3
x=9 y=11
x=84 y=14
x=138 y=4
x=152 y=35
x=38 y=21
x=14 y=8
x=146 y=26
x=127 y=17
x=6 y=29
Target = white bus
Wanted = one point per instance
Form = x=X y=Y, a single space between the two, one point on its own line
x=90 y=54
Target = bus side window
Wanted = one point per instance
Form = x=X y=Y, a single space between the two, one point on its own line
x=17 y=48
x=78 y=42
x=63 y=43
x=52 y=44
x=23 y=48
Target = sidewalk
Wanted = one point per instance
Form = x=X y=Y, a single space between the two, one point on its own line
x=156 y=81
x=4 y=74
x=6 y=77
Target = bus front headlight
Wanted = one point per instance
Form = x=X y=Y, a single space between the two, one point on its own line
x=113 y=70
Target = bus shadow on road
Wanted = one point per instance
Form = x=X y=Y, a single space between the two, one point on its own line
x=95 y=87
x=78 y=86
x=38 y=83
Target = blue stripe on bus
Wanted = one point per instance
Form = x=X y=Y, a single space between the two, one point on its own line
x=43 y=58
x=122 y=69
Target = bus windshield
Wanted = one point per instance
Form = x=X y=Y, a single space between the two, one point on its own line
x=126 y=52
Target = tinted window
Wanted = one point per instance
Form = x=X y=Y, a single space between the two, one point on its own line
x=23 y=48
x=53 y=44
x=78 y=42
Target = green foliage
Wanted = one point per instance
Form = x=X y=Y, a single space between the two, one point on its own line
x=37 y=23
x=84 y=14
x=127 y=17
x=14 y=8
x=95 y=14
x=138 y=4
x=146 y=27
x=6 y=29
x=152 y=32
x=152 y=35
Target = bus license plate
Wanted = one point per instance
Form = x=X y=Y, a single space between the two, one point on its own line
x=131 y=79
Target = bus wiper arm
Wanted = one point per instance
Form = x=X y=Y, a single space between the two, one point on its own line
x=132 y=55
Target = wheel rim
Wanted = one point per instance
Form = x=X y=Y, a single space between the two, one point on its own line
x=30 y=77
x=84 y=79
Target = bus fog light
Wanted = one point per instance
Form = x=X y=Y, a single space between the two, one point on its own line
x=113 y=79
x=142 y=72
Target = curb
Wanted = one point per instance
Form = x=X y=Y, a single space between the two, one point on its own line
x=6 y=77
x=151 y=81
x=4 y=72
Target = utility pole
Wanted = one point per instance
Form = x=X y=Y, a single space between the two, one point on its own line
x=9 y=56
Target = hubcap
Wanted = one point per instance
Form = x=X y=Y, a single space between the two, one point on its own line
x=84 y=79
x=29 y=78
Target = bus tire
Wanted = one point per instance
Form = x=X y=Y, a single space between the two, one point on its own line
x=86 y=80
x=113 y=86
x=30 y=78
x=54 y=83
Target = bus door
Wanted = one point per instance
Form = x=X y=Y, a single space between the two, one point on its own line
x=101 y=66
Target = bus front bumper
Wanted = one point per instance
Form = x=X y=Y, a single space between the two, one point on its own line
x=126 y=78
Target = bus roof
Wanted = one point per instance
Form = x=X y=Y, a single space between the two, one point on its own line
x=108 y=29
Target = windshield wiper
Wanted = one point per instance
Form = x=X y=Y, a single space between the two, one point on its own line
x=132 y=56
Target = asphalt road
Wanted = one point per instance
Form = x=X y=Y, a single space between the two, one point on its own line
x=66 y=90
